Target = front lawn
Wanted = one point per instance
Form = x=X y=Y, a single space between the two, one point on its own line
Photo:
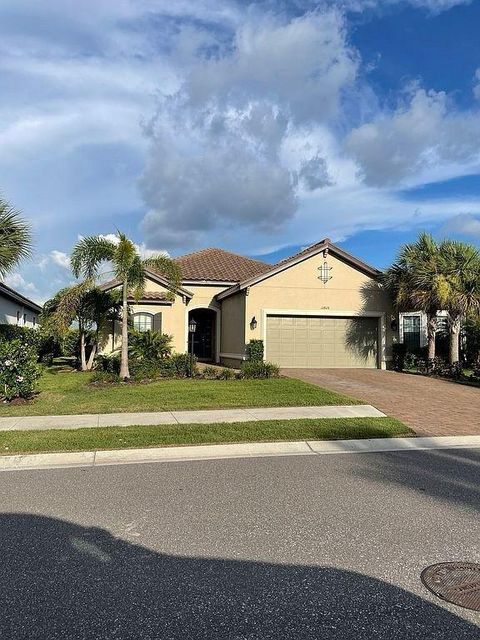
x=12 y=442
x=69 y=392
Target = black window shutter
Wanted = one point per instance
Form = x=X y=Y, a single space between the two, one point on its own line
x=157 y=322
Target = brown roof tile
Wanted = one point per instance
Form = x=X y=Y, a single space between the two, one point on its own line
x=154 y=296
x=219 y=265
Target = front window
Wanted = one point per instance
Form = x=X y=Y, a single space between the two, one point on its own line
x=143 y=322
x=411 y=332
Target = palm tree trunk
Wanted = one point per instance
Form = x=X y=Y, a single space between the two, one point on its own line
x=431 y=330
x=124 y=372
x=91 y=357
x=454 y=340
x=83 y=359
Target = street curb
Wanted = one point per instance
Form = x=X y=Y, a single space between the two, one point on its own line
x=225 y=451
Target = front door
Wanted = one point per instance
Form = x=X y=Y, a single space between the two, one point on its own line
x=204 y=336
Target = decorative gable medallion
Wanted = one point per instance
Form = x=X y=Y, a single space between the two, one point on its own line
x=325 y=270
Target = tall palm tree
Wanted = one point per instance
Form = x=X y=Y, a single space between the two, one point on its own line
x=128 y=268
x=461 y=265
x=417 y=282
x=15 y=238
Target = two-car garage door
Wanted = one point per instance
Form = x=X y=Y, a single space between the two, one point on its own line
x=311 y=341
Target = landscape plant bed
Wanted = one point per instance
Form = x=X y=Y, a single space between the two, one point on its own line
x=64 y=393
x=56 y=440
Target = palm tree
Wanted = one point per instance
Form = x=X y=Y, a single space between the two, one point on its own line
x=462 y=273
x=89 y=307
x=128 y=268
x=417 y=282
x=15 y=238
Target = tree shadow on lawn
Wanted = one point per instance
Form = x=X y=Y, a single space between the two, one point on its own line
x=448 y=474
x=61 y=580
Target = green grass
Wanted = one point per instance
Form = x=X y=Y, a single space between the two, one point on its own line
x=12 y=442
x=69 y=392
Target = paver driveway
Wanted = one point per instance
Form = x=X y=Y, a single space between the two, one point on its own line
x=430 y=406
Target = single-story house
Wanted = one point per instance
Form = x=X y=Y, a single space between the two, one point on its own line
x=16 y=309
x=322 y=307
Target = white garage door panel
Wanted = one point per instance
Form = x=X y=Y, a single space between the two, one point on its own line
x=304 y=341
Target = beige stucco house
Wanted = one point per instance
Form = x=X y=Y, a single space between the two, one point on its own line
x=321 y=307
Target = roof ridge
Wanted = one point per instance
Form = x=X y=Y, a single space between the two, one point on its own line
x=224 y=251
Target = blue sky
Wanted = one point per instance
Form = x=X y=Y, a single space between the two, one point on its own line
x=260 y=127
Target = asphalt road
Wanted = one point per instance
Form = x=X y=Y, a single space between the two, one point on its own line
x=275 y=548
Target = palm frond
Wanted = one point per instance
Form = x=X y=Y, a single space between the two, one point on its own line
x=89 y=253
x=15 y=238
x=166 y=267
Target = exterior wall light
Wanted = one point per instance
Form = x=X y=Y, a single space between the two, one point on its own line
x=192 y=326
x=393 y=323
x=253 y=323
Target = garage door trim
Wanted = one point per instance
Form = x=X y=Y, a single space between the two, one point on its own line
x=381 y=315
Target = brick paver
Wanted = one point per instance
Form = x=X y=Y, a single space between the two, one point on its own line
x=427 y=405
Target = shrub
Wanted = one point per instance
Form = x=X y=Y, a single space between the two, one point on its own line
x=209 y=373
x=226 y=374
x=184 y=365
x=19 y=371
x=9 y=332
x=259 y=370
x=399 y=351
x=149 y=345
x=107 y=377
x=255 y=351
x=109 y=364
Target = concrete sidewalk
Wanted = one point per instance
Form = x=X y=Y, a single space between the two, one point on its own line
x=236 y=450
x=186 y=417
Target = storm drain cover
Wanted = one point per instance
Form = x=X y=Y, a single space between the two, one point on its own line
x=455 y=582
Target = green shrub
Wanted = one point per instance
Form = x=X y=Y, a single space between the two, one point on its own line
x=255 y=351
x=106 y=377
x=149 y=345
x=184 y=365
x=19 y=371
x=259 y=370
x=108 y=363
x=226 y=374
x=209 y=373
x=9 y=332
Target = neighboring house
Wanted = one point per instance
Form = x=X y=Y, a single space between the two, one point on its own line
x=322 y=307
x=17 y=309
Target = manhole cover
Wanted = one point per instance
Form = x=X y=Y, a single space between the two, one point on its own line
x=455 y=582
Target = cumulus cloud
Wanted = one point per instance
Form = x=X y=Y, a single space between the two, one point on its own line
x=216 y=153
x=423 y=133
x=463 y=224
x=60 y=258
x=18 y=282
x=314 y=173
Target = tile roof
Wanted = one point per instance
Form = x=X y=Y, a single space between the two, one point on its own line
x=154 y=296
x=219 y=265
x=306 y=250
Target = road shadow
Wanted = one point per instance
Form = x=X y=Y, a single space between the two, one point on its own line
x=446 y=474
x=60 y=580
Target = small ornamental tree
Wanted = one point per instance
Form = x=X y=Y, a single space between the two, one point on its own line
x=129 y=268
x=19 y=371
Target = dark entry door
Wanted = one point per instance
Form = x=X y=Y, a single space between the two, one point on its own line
x=204 y=336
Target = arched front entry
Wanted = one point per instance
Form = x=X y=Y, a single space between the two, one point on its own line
x=203 y=340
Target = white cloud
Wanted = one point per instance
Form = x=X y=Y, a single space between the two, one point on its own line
x=424 y=133
x=476 y=88
x=216 y=154
x=60 y=258
x=463 y=224
x=18 y=282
